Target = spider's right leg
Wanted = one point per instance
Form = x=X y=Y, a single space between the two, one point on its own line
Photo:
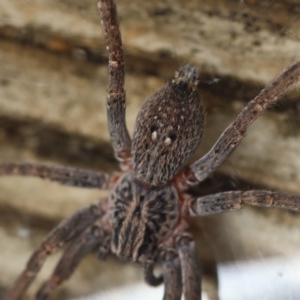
x=172 y=276
x=225 y=201
x=190 y=266
x=235 y=132
x=63 y=175
x=116 y=101
x=89 y=239
x=60 y=235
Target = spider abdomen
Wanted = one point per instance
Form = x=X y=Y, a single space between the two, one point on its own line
x=168 y=129
x=141 y=216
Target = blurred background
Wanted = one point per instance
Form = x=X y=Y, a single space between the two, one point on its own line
x=53 y=83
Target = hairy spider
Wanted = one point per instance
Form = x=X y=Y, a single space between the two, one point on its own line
x=143 y=218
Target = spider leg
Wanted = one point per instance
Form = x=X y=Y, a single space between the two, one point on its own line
x=88 y=240
x=59 y=236
x=220 y=202
x=172 y=276
x=62 y=175
x=235 y=132
x=149 y=276
x=116 y=100
x=190 y=267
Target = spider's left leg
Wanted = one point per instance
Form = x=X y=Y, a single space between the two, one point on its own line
x=190 y=267
x=225 y=201
x=116 y=101
x=90 y=239
x=57 y=238
x=235 y=132
x=59 y=174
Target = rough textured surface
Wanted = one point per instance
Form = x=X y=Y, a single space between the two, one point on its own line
x=53 y=81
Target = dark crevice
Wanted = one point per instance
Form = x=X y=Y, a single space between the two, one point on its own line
x=51 y=143
x=12 y=218
x=226 y=88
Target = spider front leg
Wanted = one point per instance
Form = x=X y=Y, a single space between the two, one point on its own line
x=225 y=201
x=59 y=236
x=235 y=132
x=116 y=100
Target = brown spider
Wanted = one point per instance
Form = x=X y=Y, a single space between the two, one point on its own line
x=143 y=218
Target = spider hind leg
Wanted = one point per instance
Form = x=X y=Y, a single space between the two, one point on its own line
x=88 y=240
x=57 y=238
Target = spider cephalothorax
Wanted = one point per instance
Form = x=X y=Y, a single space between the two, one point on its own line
x=168 y=129
x=143 y=218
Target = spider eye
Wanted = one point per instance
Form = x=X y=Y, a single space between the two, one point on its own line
x=153 y=128
x=172 y=136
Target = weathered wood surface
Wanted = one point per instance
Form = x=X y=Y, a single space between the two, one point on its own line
x=53 y=81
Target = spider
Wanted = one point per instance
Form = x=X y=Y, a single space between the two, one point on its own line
x=143 y=219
